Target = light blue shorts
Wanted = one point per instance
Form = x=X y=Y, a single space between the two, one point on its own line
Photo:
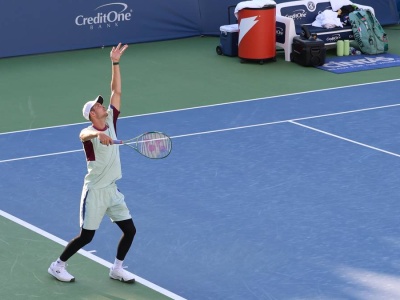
x=96 y=203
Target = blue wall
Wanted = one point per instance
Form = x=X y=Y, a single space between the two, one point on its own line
x=29 y=27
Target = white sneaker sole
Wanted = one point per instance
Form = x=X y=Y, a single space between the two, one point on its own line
x=55 y=276
x=122 y=280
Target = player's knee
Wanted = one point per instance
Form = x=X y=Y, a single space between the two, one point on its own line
x=127 y=227
x=86 y=236
x=133 y=231
x=130 y=232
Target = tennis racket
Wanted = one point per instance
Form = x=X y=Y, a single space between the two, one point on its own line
x=152 y=144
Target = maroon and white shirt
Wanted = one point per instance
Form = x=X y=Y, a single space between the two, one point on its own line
x=103 y=162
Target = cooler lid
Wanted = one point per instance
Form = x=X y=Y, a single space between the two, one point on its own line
x=230 y=28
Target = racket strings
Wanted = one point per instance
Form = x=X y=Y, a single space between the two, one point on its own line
x=154 y=145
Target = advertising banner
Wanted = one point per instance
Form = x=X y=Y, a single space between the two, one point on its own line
x=28 y=27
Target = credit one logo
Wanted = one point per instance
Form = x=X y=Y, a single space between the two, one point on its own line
x=297 y=14
x=333 y=38
x=105 y=16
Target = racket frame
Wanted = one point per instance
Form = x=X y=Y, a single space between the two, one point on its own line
x=136 y=141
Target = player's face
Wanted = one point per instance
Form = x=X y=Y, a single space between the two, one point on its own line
x=99 y=110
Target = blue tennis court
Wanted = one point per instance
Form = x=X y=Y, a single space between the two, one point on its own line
x=289 y=197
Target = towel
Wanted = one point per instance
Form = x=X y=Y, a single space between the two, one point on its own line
x=327 y=19
x=252 y=4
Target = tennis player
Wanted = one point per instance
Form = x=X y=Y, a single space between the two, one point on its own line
x=100 y=194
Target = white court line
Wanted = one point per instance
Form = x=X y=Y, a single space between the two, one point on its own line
x=345 y=139
x=41 y=155
x=286 y=121
x=213 y=105
x=222 y=130
x=87 y=254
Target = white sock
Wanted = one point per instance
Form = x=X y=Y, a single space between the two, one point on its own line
x=60 y=262
x=118 y=263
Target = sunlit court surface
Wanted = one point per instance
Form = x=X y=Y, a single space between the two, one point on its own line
x=287 y=197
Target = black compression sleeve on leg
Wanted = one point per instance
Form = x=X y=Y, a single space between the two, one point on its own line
x=129 y=231
x=84 y=238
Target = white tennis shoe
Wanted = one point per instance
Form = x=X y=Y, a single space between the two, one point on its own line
x=60 y=272
x=121 y=275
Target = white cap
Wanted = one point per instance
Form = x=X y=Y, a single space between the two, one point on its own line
x=88 y=106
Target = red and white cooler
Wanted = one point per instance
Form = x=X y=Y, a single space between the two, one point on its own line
x=257 y=30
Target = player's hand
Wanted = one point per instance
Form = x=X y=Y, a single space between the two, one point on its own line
x=116 y=52
x=104 y=139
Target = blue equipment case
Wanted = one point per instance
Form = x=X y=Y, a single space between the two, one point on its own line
x=229 y=38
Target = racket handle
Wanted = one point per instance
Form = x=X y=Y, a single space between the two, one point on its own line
x=117 y=142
